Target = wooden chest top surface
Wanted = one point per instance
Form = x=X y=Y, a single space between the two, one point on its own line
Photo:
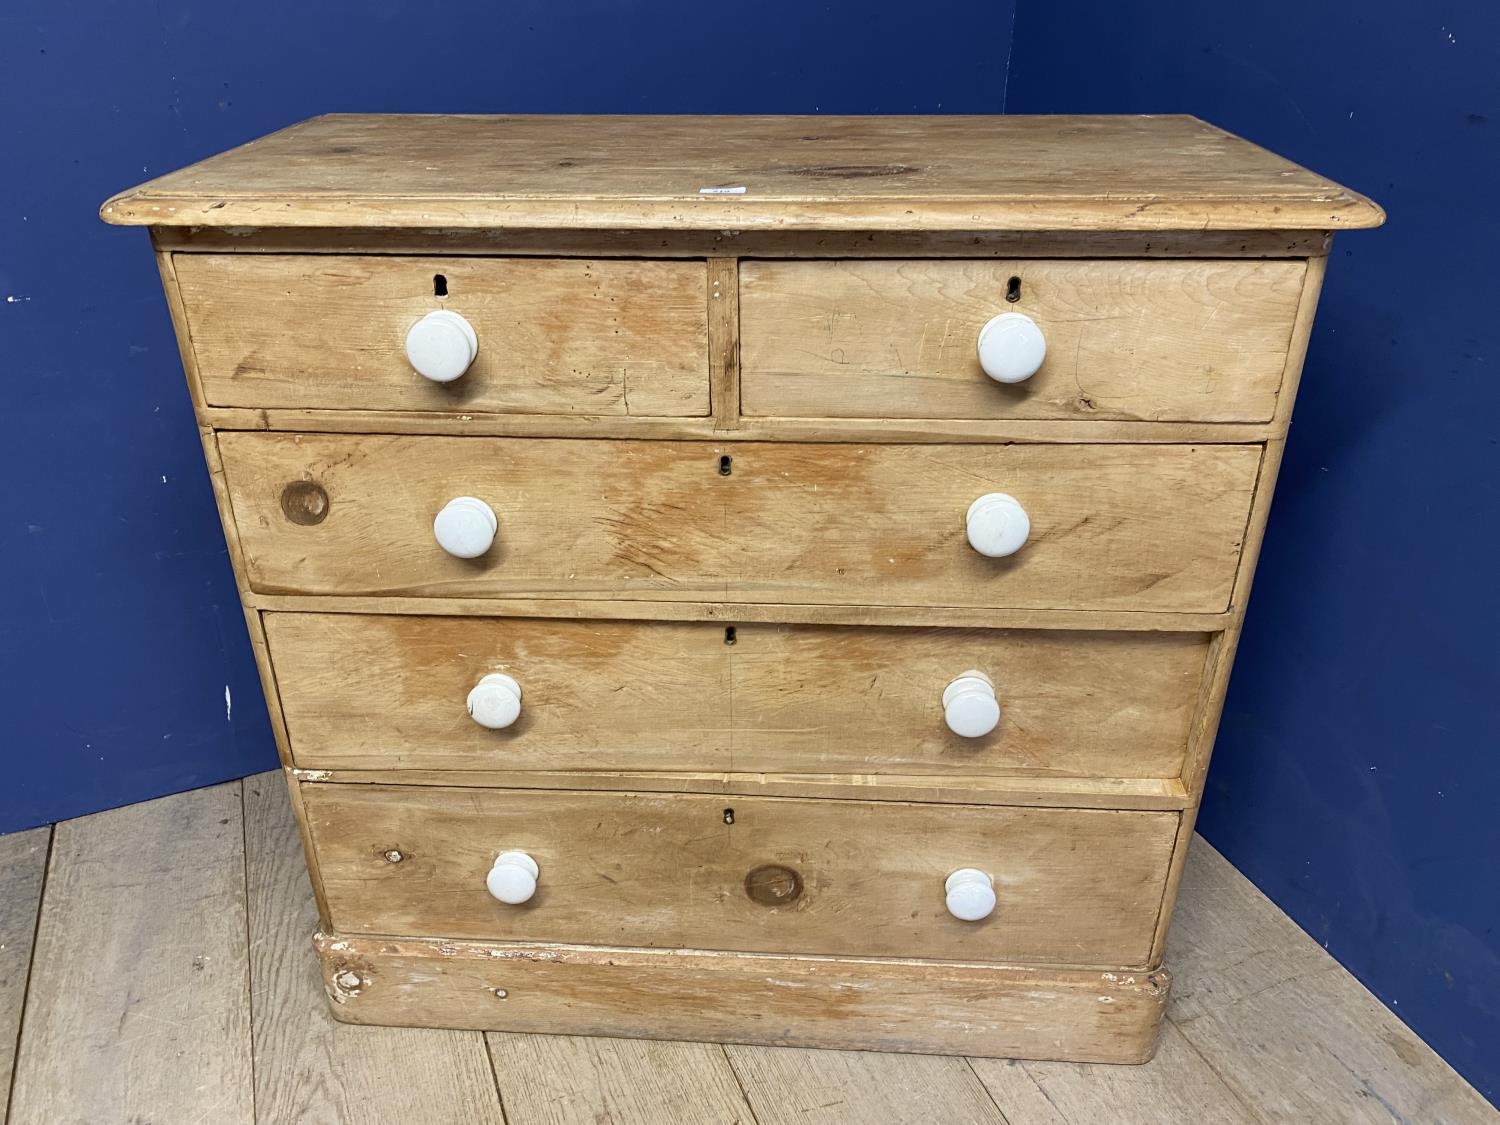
x=710 y=173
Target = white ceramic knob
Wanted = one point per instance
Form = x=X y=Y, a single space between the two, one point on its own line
x=997 y=525
x=1011 y=348
x=971 y=894
x=466 y=527
x=495 y=701
x=441 y=346
x=513 y=878
x=970 y=707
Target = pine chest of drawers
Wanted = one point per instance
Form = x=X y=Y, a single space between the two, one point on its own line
x=759 y=579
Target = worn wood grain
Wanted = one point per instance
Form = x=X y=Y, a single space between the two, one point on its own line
x=765 y=613
x=308 y=1067
x=788 y=1086
x=937 y=431
x=1076 y=886
x=1177 y=1087
x=555 y=336
x=1215 y=682
x=1279 y=1032
x=1287 y=1028
x=138 y=1008
x=379 y=692
x=390 y=692
x=1008 y=173
x=926 y=1007
x=1112 y=527
x=724 y=341
x=1045 y=792
x=1145 y=340
x=763 y=243
x=254 y=628
x=579 y=1080
x=1174 y=269
x=167 y=271
x=23 y=869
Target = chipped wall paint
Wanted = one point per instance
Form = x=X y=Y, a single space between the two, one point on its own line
x=1356 y=768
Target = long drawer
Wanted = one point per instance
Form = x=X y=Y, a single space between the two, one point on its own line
x=1159 y=340
x=575 y=336
x=1073 y=886
x=1135 y=527
x=384 y=692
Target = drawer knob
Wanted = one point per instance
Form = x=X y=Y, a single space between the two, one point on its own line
x=971 y=894
x=970 y=707
x=495 y=701
x=513 y=878
x=441 y=346
x=998 y=525
x=466 y=527
x=1011 y=348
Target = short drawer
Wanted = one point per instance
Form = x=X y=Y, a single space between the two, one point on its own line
x=574 y=336
x=1158 y=340
x=764 y=874
x=392 y=691
x=1137 y=527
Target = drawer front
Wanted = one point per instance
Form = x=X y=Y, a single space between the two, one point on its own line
x=1184 y=341
x=383 y=692
x=570 y=336
x=1142 y=527
x=1072 y=886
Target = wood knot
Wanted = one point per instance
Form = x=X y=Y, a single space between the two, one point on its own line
x=304 y=502
x=771 y=884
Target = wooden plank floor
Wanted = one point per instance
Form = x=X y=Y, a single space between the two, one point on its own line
x=155 y=970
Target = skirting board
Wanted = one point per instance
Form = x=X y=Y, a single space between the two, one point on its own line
x=926 y=1007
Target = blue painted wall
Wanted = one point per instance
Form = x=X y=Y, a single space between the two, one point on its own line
x=1358 y=759
x=1356 y=772
x=122 y=631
